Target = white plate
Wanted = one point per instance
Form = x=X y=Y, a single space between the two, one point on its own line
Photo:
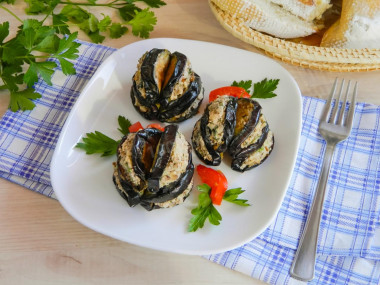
x=83 y=183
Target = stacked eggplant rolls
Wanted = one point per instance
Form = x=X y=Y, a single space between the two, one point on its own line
x=154 y=168
x=233 y=125
x=165 y=87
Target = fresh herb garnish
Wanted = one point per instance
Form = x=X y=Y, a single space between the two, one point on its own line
x=23 y=57
x=232 y=196
x=263 y=89
x=206 y=210
x=97 y=142
x=124 y=125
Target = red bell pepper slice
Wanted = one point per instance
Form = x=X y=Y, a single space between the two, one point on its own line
x=135 y=127
x=216 y=180
x=234 y=91
x=156 y=126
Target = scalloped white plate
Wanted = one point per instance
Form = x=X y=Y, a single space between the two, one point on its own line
x=83 y=183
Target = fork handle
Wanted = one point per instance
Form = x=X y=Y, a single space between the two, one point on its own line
x=304 y=260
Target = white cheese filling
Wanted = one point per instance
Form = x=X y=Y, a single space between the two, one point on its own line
x=199 y=143
x=255 y=135
x=178 y=200
x=126 y=160
x=215 y=125
x=183 y=82
x=257 y=156
x=178 y=161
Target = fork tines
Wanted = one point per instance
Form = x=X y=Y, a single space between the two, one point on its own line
x=336 y=102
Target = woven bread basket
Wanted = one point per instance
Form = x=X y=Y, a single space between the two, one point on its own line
x=320 y=58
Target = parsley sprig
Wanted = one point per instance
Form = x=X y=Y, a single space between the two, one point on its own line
x=263 y=89
x=19 y=54
x=97 y=142
x=23 y=58
x=206 y=210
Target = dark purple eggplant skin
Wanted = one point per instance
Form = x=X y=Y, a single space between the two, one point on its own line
x=147 y=75
x=244 y=152
x=216 y=159
x=169 y=109
x=163 y=152
x=151 y=114
x=229 y=127
x=194 y=110
x=238 y=160
x=178 y=70
x=143 y=151
x=132 y=197
x=234 y=146
x=173 y=190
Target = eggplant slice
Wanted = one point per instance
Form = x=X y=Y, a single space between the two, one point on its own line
x=255 y=157
x=214 y=131
x=253 y=141
x=165 y=87
x=154 y=168
x=234 y=125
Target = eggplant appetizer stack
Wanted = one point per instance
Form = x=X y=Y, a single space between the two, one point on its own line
x=154 y=168
x=235 y=125
x=165 y=87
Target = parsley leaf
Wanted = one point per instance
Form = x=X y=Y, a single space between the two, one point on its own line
x=18 y=62
x=143 y=23
x=154 y=3
x=68 y=49
x=232 y=194
x=97 y=142
x=22 y=100
x=4 y=31
x=116 y=30
x=204 y=211
x=265 y=88
x=124 y=125
x=244 y=84
x=59 y=24
x=45 y=69
x=128 y=11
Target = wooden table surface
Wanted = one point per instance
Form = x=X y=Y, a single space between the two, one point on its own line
x=40 y=243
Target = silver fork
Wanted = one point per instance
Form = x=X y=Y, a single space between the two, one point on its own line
x=334 y=129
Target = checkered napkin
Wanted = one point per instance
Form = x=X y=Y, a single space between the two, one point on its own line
x=349 y=243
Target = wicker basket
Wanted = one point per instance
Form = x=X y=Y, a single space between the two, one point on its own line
x=327 y=59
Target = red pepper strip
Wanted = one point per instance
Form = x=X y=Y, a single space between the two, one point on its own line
x=156 y=126
x=135 y=127
x=234 y=91
x=216 y=180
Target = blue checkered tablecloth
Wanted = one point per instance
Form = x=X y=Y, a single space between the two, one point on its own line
x=349 y=242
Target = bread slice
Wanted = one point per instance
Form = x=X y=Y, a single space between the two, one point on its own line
x=309 y=10
x=358 y=26
x=277 y=19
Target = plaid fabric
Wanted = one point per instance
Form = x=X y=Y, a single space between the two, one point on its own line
x=28 y=139
x=349 y=237
x=349 y=244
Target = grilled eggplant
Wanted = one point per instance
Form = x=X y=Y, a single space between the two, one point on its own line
x=165 y=87
x=213 y=133
x=255 y=155
x=234 y=125
x=247 y=116
x=154 y=168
